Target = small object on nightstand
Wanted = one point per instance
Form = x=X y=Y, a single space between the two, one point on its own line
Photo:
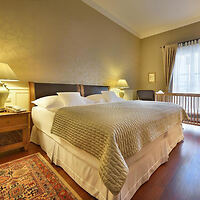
x=15 y=109
x=15 y=122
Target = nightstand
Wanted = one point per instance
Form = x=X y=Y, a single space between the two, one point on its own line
x=12 y=124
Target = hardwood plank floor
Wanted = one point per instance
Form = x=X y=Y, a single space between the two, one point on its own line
x=178 y=179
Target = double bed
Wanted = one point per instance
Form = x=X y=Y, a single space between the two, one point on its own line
x=84 y=167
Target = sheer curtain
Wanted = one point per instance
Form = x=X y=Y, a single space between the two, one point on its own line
x=186 y=73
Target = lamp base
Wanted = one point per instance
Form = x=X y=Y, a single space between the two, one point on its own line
x=4 y=92
x=121 y=93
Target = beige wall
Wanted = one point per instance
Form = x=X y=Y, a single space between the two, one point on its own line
x=65 y=41
x=70 y=42
x=151 y=57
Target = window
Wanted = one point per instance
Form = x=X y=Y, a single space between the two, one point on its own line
x=186 y=73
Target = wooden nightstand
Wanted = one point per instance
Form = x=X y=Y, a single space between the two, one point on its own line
x=15 y=122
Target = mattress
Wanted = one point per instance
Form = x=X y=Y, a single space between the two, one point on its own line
x=42 y=119
x=83 y=167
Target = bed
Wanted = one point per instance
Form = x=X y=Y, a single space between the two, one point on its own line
x=84 y=167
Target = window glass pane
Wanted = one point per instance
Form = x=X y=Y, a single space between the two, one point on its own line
x=186 y=73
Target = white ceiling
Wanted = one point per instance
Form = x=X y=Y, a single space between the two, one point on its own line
x=149 y=17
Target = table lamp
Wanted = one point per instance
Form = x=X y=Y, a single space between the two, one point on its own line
x=6 y=74
x=122 y=84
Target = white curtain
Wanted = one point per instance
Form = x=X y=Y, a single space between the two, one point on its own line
x=186 y=73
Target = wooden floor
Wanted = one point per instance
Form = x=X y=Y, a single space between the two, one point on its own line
x=178 y=179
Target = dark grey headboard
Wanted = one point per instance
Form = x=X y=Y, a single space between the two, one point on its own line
x=47 y=89
x=93 y=89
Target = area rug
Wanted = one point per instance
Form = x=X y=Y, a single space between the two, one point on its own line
x=32 y=177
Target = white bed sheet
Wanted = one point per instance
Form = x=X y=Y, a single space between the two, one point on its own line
x=83 y=167
x=42 y=119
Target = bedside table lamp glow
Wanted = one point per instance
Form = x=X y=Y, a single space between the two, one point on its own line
x=6 y=74
x=122 y=84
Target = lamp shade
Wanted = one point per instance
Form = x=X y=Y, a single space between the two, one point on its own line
x=6 y=73
x=122 y=84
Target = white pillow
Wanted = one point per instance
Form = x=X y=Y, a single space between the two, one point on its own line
x=88 y=101
x=71 y=98
x=110 y=96
x=49 y=102
x=96 y=98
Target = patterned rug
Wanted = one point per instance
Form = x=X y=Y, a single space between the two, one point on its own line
x=32 y=177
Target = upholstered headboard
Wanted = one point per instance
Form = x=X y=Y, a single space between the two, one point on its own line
x=47 y=89
x=93 y=89
x=38 y=90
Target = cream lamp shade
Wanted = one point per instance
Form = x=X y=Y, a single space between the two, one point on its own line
x=122 y=84
x=6 y=74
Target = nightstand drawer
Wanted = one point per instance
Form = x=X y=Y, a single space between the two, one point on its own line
x=13 y=120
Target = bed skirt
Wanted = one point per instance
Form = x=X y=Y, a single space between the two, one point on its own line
x=83 y=167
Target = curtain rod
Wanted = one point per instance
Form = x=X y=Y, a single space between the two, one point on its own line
x=183 y=42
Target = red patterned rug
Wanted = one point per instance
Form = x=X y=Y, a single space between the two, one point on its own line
x=32 y=177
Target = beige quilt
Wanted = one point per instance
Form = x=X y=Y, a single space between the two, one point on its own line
x=115 y=131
